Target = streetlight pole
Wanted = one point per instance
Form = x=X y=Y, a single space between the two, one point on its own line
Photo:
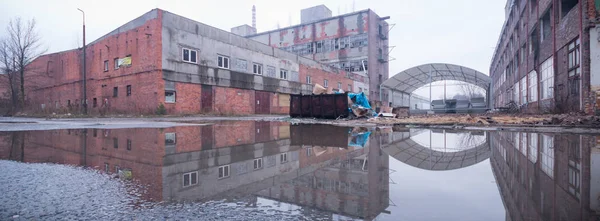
x=84 y=68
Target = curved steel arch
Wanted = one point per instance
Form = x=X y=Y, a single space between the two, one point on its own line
x=413 y=78
x=412 y=153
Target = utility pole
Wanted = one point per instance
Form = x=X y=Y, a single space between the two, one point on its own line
x=85 y=103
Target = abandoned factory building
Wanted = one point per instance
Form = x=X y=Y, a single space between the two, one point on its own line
x=355 y=42
x=161 y=58
x=547 y=57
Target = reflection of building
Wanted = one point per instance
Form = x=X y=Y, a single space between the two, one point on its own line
x=223 y=160
x=355 y=186
x=403 y=147
x=151 y=154
x=547 y=176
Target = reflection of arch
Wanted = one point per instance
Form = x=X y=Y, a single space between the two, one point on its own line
x=410 y=152
x=411 y=79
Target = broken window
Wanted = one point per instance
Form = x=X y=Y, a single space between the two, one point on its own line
x=170 y=139
x=546 y=27
x=169 y=96
x=128 y=144
x=115 y=91
x=106 y=65
x=223 y=61
x=319 y=46
x=574 y=58
x=566 y=6
x=128 y=90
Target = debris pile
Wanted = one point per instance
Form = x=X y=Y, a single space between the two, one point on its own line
x=485 y=120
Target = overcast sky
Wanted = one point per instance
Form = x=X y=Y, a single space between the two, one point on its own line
x=462 y=32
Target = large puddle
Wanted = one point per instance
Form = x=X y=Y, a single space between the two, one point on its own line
x=256 y=170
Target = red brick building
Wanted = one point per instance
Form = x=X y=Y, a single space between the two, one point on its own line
x=548 y=56
x=164 y=59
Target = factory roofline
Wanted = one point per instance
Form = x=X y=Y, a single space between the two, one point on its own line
x=302 y=24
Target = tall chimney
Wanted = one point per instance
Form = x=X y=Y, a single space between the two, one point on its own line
x=254 y=17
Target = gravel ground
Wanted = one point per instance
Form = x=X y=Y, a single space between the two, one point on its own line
x=62 y=192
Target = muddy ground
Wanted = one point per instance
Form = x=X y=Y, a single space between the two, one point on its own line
x=563 y=122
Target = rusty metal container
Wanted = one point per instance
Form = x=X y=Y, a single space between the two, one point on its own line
x=325 y=106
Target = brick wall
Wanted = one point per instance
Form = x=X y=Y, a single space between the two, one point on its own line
x=318 y=76
x=56 y=79
x=230 y=101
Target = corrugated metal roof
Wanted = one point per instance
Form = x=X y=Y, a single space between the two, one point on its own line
x=411 y=79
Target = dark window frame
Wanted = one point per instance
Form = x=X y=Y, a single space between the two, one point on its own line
x=128 y=90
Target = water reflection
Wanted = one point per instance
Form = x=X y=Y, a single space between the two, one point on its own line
x=544 y=176
x=339 y=170
x=345 y=173
x=445 y=149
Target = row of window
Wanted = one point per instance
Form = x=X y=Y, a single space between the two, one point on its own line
x=539 y=34
x=329 y=45
x=547 y=78
x=118 y=62
x=527 y=145
x=191 y=178
x=94 y=100
x=190 y=56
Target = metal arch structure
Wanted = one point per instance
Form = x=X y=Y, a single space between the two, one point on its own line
x=414 y=154
x=413 y=78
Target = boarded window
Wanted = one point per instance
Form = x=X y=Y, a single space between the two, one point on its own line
x=284 y=100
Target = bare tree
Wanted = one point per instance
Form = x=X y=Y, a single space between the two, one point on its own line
x=470 y=90
x=23 y=44
x=7 y=68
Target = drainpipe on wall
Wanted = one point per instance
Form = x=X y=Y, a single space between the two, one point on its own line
x=581 y=57
x=554 y=59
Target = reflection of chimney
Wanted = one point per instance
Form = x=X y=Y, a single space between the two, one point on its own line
x=254 y=17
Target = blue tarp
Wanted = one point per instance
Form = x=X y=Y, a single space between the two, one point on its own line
x=360 y=99
x=359 y=139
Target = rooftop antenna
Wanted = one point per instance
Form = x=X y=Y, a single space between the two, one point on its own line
x=254 y=17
